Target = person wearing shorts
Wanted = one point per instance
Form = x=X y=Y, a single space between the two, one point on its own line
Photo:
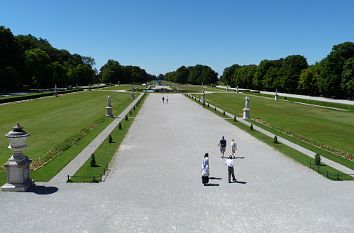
x=222 y=145
x=233 y=148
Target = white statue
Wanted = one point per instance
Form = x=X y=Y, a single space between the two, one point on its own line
x=247 y=102
x=109 y=102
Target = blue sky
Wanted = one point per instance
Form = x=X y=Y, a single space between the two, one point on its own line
x=162 y=35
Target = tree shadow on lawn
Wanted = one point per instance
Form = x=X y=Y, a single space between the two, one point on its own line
x=43 y=190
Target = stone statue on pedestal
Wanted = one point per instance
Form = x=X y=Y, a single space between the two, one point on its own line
x=246 y=110
x=109 y=107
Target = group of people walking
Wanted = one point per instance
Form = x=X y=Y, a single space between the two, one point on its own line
x=229 y=162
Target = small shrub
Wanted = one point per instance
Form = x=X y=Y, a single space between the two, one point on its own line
x=126 y=117
x=224 y=113
x=251 y=127
x=235 y=118
x=215 y=109
x=110 y=140
x=317 y=159
x=134 y=107
x=208 y=105
x=120 y=126
x=93 y=161
x=130 y=112
x=275 y=139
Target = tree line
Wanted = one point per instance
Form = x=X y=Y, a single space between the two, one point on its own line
x=333 y=76
x=27 y=62
x=114 y=72
x=197 y=74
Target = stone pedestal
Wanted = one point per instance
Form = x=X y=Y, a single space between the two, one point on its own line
x=18 y=166
x=246 y=113
x=276 y=97
x=109 y=111
x=18 y=170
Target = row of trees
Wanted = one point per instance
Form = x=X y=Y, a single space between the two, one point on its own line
x=113 y=72
x=29 y=62
x=333 y=76
x=193 y=75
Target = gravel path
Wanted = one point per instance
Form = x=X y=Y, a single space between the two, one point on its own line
x=155 y=185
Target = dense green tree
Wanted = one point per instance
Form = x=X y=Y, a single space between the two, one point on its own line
x=10 y=61
x=228 y=75
x=244 y=75
x=37 y=63
x=330 y=76
x=181 y=75
x=308 y=82
x=112 y=71
x=291 y=68
x=348 y=78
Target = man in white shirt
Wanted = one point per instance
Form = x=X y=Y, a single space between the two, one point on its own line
x=230 y=168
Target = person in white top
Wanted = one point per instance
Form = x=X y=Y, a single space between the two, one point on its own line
x=233 y=148
x=230 y=168
x=205 y=169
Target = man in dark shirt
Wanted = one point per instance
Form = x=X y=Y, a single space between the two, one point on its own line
x=222 y=145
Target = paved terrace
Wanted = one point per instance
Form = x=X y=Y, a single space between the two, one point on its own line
x=155 y=185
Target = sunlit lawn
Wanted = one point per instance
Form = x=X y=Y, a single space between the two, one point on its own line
x=326 y=126
x=124 y=87
x=51 y=120
x=198 y=88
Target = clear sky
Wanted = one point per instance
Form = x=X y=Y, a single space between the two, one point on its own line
x=162 y=35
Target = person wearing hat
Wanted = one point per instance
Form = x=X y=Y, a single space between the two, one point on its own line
x=205 y=169
x=230 y=168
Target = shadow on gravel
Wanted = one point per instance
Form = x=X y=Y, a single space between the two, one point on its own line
x=214 y=178
x=210 y=184
x=43 y=190
x=240 y=182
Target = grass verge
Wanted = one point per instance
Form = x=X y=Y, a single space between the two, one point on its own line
x=106 y=151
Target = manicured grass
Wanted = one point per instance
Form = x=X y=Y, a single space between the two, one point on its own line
x=51 y=121
x=198 y=88
x=105 y=152
x=325 y=126
x=124 y=87
x=324 y=170
x=306 y=101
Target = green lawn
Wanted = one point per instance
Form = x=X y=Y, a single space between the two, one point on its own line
x=51 y=121
x=306 y=101
x=324 y=126
x=105 y=152
x=198 y=88
x=124 y=87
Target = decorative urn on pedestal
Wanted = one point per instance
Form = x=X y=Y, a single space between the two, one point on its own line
x=18 y=166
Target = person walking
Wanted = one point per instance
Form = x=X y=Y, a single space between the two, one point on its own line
x=163 y=99
x=205 y=169
x=233 y=148
x=230 y=169
x=167 y=99
x=222 y=145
